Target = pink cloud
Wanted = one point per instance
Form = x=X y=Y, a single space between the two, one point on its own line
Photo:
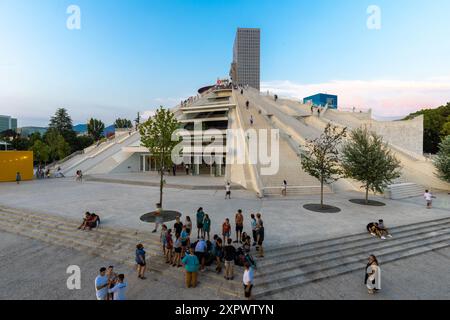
x=386 y=98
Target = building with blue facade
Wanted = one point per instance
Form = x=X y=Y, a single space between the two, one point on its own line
x=322 y=99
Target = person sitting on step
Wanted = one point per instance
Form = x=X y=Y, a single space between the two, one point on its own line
x=372 y=228
x=382 y=228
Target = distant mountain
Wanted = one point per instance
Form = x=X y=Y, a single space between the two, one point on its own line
x=26 y=131
x=82 y=129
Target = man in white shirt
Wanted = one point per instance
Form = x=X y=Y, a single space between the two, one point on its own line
x=200 y=251
x=119 y=288
x=429 y=198
x=227 y=191
x=248 y=281
x=101 y=285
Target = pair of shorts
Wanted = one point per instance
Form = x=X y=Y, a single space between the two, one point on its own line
x=199 y=225
x=200 y=255
x=188 y=231
x=177 y=250
x=184 y=243
x=239 y=228
x=228 y=193
x=226 y=234
x=142 y=264
x=248 y=292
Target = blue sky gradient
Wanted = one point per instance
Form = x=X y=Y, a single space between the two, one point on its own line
x=133 y=55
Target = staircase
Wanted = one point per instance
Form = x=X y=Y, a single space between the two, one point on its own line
x=116 y=244
x=291 y=265
x=290 y=169
x=403 y=191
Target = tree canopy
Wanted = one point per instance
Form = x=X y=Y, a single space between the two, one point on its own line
x=321 y=157
x=442 y=161
x=368 y=159
x=123 y=124
x=95 y=128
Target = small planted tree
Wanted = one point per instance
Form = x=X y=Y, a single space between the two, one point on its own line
x=41 y=152
x=368 y=159
x=95 y=128
x=442 y=161
x=321 y=157
x=156 y=135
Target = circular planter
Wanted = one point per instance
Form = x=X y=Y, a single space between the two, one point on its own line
x=165 y=216
x=318 y=208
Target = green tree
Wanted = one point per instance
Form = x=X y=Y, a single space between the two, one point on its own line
x=442 y=161
x=95 y=128
x=123 y=124
x=368 y=159
x=59 y=148
x=434 y=122
x=156 y=135
x=446 y=129
x=82 y=142
x=61 y=122
x=321 y=157
x=41 y=152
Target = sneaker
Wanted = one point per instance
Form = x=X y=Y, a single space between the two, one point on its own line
x=373 y=234
x=389 y=235
x=383 y=238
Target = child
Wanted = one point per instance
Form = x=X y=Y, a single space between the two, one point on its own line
x=162 y=238
x=226 y=230
x=169 y=246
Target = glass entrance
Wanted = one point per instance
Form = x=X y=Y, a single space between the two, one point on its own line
x=147 y=163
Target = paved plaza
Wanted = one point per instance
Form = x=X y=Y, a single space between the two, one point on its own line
x=38 y=269
x=285 y=219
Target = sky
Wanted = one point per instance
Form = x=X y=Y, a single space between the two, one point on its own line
x=135 y=55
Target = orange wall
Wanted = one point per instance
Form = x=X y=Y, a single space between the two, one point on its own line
x=12 y=162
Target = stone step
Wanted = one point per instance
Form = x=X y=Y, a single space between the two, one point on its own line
x=273 y=251
x=68 y=224
x=350 y=242
x=404 y=190
x=302 y=261
x=121 y=251
x=102 y=240
x=281 y=282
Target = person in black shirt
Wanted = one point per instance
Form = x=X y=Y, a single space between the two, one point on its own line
x=178 y=226
x=229 y=253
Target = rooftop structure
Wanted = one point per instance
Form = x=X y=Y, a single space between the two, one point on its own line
x=322 y=100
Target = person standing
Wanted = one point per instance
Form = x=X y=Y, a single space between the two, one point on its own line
x=184 y=237
x=254 y=231
x=206 y=226
x=247 y=279
x=229 y=253
x=200 y=252
x=247 y=104
x=178 y=225
x=200 y=218
x=239 y=219
x=177 y=250
x=18 y=177
x=188 y=224
x=191 y=265
x=119 y=288
x=169 y=247
x=101 y=285
x=284 y=189
x=429 y=198
x=373 y=275
x=218 y=253
x=228 y=190
x=112 y=278
x=260 y=235
x=226 y=230
x=174 y=170
x=251 y=120
x=186 y=167
x=140 y=261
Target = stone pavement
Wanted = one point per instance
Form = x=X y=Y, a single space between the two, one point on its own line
x=420 y=277
x=285 y=219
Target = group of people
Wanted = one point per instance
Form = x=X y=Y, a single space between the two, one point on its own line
x=109 y=285
x=378 y=229
x=90 y=221
x=180 y=249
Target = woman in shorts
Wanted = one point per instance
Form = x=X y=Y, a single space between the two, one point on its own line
x=177 y=249
x=188 y=224
x=140 y=261
x=226 y=230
